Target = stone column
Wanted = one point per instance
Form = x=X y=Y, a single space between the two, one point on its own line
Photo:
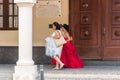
x=25 y=68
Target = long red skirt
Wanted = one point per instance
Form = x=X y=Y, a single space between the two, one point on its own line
x=70 y=57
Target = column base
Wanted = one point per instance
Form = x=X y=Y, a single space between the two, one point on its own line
x=26 y=73
x=24 y=63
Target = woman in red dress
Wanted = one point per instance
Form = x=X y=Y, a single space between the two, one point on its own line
x=69 y=55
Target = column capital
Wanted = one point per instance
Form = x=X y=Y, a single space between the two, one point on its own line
x=25 y=4
x=24 y=1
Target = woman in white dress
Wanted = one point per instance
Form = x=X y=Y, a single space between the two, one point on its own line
x=56 y=51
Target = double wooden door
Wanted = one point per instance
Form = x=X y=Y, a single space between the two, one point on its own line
x=95 y=27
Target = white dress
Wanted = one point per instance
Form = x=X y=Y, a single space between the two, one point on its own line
x=52 y=50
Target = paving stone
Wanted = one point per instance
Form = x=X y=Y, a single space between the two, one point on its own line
x=86 y=73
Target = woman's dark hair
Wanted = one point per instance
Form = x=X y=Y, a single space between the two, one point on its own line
x=67 y=28
x=57 y=25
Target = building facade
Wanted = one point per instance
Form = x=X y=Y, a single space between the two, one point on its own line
x=95 y=27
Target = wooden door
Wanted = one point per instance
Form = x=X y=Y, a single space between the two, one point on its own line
x=86 y=28
x=112 y=30
x=95 y=27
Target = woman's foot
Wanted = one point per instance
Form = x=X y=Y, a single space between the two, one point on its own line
x=55 y=68
x=61 y=66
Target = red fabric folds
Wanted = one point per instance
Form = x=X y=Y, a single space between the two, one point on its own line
x=69 y=56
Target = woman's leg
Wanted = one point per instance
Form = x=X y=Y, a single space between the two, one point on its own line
x=61 y=64
x=57 y=65
x=58 y=62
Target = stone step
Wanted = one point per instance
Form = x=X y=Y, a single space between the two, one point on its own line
x=6 y=76
x=69 y=76
x=101 y=63
x=81 y=77
x=86 y=73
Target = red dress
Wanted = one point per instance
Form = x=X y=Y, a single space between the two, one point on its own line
x=69 y=56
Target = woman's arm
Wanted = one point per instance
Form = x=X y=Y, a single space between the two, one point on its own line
x=57 y=34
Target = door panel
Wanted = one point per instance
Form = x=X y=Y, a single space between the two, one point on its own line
x=112 y=30
x=86 y=28
x=95 y=26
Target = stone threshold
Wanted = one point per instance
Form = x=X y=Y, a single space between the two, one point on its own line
x=101 y=76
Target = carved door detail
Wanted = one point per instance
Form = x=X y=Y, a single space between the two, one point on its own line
x=112 y=30
x=85 y=28
x=95 y=27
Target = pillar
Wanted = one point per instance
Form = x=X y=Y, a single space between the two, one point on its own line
x=25 y=68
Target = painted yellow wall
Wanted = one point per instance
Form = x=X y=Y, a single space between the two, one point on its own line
x=9 y=38
x=40 y=28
